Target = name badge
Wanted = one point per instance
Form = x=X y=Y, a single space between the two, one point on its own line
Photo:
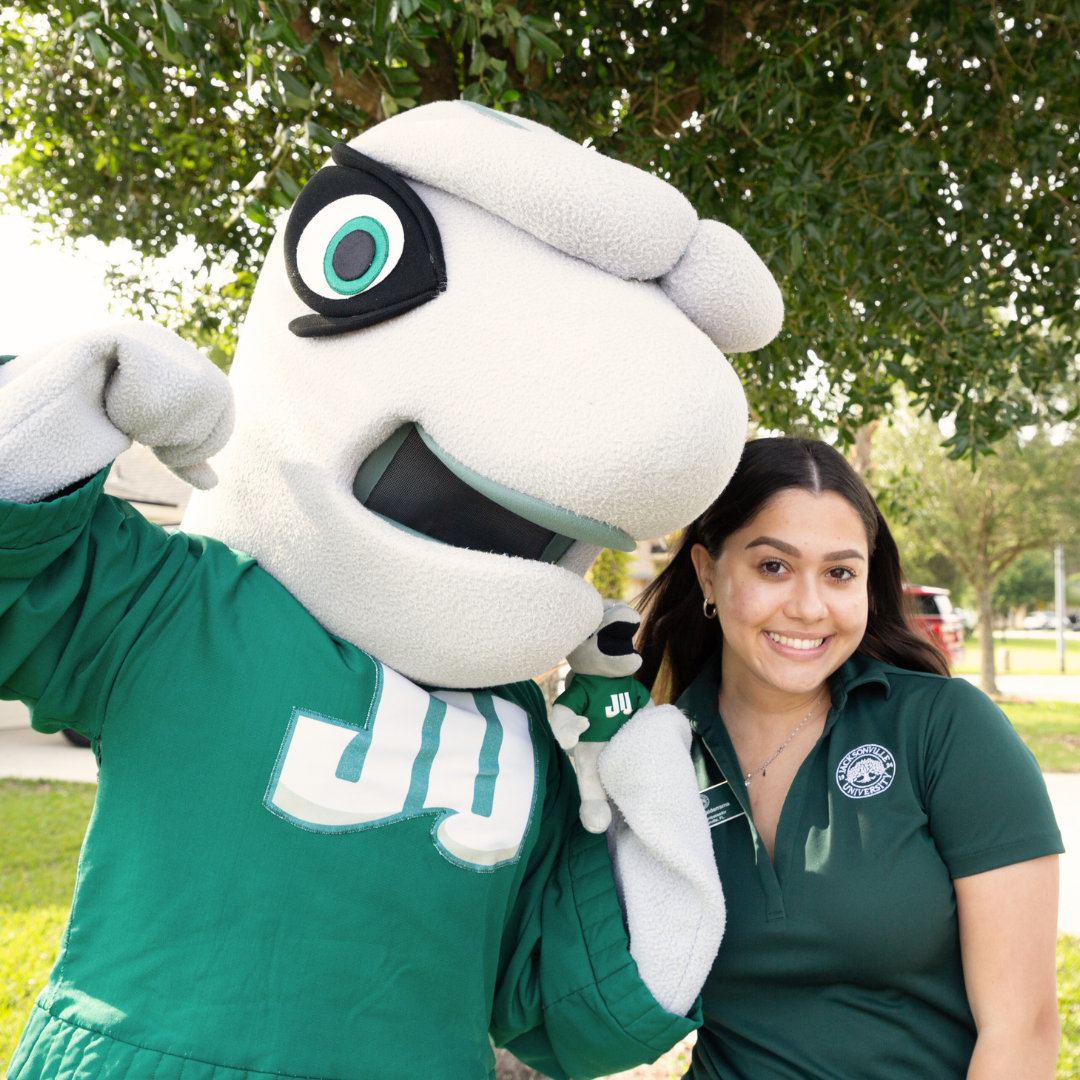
x=720 y=805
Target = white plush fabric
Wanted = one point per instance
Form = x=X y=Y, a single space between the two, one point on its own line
x=67 y=410
x=537 y=370
x=595 y=811
x=579 y=557
x=619 y=218
x=663 y=856
x=726 y=289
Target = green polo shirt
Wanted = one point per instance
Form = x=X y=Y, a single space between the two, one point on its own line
x=841 y=958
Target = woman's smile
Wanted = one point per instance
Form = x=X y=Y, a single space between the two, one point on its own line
x=798 y=646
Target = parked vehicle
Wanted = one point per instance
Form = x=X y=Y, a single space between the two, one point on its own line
x=1044 y=620
x=933 y=613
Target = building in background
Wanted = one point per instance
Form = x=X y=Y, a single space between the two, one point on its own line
x=139 y=478
x=646 y=562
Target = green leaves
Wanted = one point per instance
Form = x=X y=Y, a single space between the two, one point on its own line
x=523 y=48
x=288 y=184
x=318 y=134
x=888 y=222
x=172 y=20
x=167 y=51
x=297 y=95
x=543 y=42
x=98 y=47
x=382 y=15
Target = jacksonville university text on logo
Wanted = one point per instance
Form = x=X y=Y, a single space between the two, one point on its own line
x=867 y=770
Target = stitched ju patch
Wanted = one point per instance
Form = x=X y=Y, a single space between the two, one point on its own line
x=465 y=758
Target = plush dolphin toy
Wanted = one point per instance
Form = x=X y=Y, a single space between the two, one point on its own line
x=602 y=696
x=334 y=836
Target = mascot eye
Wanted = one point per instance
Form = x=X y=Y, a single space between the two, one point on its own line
x=360 y=247
x=349 y=246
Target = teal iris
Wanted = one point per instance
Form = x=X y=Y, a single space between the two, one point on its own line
x=382 y=249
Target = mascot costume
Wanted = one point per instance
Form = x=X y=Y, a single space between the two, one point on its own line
x=334 y=837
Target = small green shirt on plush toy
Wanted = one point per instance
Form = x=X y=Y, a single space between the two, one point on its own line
x=606 y=702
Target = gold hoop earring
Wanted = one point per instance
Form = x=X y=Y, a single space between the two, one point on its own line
x=705 y=609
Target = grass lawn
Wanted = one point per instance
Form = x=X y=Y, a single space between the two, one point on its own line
x=43 y=825
x=1069 y=1006
x=1051 y=730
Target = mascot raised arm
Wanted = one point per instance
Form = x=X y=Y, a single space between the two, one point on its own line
x=334 y=837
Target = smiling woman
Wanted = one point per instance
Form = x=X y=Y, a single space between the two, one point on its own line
x=885 y=841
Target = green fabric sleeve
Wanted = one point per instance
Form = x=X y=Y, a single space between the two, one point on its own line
x=569 y=1001
x=984 y=794
x=574 y=697
x=79 y=576
x=639 y=695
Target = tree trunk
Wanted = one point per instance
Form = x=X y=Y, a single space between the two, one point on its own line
x=983 y=595
x=861 y=459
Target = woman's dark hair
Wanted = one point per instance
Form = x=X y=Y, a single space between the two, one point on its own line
x=675 y=633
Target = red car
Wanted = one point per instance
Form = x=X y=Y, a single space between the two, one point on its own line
x=933 y=613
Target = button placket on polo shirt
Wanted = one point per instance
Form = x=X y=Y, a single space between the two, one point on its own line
x=714 y=735
x=718 y=743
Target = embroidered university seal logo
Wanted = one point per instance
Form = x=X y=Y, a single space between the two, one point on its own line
x=867 y=770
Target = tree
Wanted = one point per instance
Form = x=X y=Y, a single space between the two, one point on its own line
x=941 y=571
x=609 y=574
x=1027 y=581
x=1023 y=497
x=908 y=171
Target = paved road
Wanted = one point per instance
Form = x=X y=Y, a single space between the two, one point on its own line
x=32 y=756
x=1036 y=687
x=27 y=754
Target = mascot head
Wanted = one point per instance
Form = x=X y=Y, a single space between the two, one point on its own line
x=477 y=354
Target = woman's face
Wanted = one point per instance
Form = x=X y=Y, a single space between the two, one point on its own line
x=790 y=590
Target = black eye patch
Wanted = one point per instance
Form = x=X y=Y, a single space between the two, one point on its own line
x=616 y=639
x=360 y=247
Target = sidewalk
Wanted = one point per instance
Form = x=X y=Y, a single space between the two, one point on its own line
x=29 y=755
x=1035 y=687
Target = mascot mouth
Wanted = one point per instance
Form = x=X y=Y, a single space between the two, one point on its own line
x=411 y=482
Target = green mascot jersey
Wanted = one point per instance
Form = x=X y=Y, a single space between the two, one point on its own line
x=299 y=863
x=606 y=702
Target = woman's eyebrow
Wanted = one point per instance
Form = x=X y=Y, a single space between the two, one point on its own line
x=789 y=549
x=769 y=541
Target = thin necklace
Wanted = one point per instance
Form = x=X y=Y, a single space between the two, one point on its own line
x=780 y=749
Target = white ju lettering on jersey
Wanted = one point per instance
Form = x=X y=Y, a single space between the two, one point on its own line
x=620 y=703
x=466 y=758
